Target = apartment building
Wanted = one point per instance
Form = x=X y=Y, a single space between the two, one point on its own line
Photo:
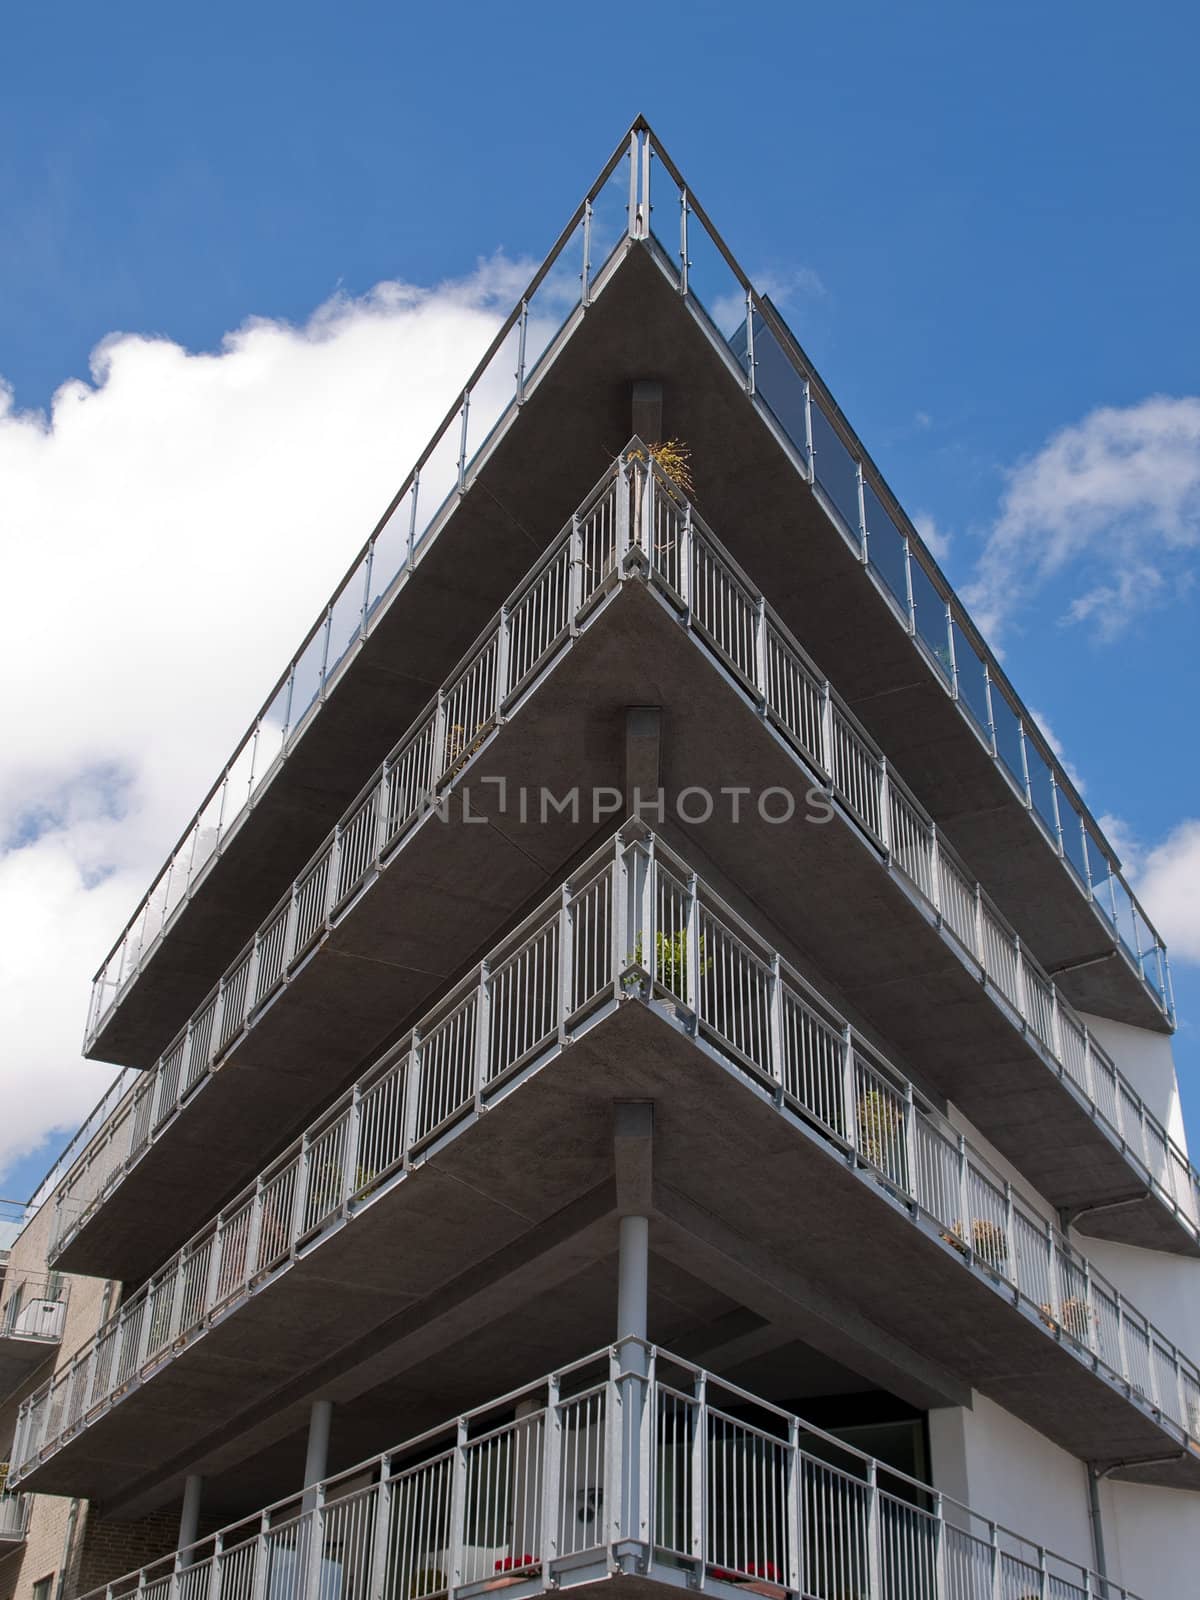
x=643 y=1068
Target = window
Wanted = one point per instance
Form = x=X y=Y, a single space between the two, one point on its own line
x=43 y=1587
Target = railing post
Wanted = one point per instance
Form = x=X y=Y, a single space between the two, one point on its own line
x=483 y=1031
x=566 y=964
x=575 y=576
x=997 y=1564
x=316 y=1542
x=1022 y=991
x=683 y=241
x=1122 y=1342
x=622 y=531
x=777 y=1056
x=910 y=1140
x=686 y=553
x=462 y=440
x=874 y=1538
x=794 y=1511
x=827 y=756
x=693 y=936
x=964 y=1192
x=749 y=343
x=552 y=1445
x=412 y=1097
x=437 y=764
x=849 y=1087
x=885 y=806
x=980 y=953
x=350 y=1156
x=458 y=1506
x=941 y=1587
x=935 y=869
x=586 y=275
x=760 y=651
x=1010 y=1236
x=522 y=327
x=1043 y=1574
x=1053 y=1274
x=699 y=1475
x=381 y=1533
x=258 y=1582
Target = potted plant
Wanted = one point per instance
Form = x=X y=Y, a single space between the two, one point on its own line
x=880 y=1122
x=670 y=963
x=990 y=1241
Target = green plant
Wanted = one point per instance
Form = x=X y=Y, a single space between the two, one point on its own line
x=671 y=960
x=880 y=1121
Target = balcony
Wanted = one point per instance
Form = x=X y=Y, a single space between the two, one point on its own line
x=33 y=1309
x=949 y=715
x=767 y=1095
x=631 y=1464
x=14 y=1520
x=598 y=622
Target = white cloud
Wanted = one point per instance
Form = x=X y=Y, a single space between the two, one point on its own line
x=1168 y=884
x=167 y=534
x=937 y=539
x=1112 y=501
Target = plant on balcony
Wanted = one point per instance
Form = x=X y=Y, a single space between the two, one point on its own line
x=671 y=962
x=1075 y=1317
x=460 y=744
x=880 y=1123
x=990 y=1241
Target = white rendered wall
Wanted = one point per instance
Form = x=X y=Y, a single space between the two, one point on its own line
x=1146 y=1060
x=1008 y=1472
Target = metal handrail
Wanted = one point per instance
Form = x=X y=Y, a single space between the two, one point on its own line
x=503 y=379
x=634 y=511
x=634 y=919
x=606 y=1465
x=861 y=506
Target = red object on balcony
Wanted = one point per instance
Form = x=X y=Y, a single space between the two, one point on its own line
x=515 y=1563
x=756 y=1569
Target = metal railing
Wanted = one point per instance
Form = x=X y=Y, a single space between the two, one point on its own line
x=14 y=1515
x=558 y=293
x=823 y=447
x=634 y=520
x=33 y=1305
x=854 y=494
x=629 y=1461
x=633 y=920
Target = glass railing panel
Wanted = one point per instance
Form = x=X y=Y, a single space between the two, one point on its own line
x=931 y=616
x=553 y=301
x=271 y=733
x=1073 y=837
x=1126 y=931
x=237 y=784
x=836 y=472
x=887 y=549
x=1102 y=877
x=610 y=219
x=389 y=550
x=780 y=386
x=1006 y=727
x=971 y=678
x=492 y=393
x=306 y=682
x=713 y=283
x=346 y=617
x=1041 y=789
x=437 y=478
x=208 y=830
x=666 y=209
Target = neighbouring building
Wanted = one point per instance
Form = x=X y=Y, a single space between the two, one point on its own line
x=643 y=1068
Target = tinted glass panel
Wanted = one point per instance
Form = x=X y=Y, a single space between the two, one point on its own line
x=713 y=283
x=886 y=547
x=610 y=219
x=1041 y=788
x=835 y=469
x=929 y=610
x=779 y=384
x=1072 y=835
x=1008 y=736
x=1102 y=877
x=972 y=680
x=1125 y=922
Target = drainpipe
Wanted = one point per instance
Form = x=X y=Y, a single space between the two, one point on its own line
x=1093 y=1479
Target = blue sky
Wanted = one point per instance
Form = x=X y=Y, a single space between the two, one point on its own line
x=983 y=222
